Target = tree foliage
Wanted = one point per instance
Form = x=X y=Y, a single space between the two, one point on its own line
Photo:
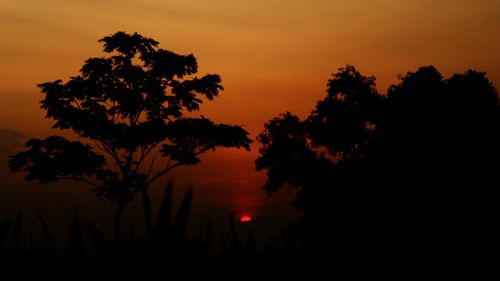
x=419 y=163
x=126 y=108
x=308 y=153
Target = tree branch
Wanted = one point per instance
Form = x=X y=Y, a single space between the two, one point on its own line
x=166 y=170
x=80 y=179
x=151 y=166
x=144 y=154
x=114 y=155
x=169 y=168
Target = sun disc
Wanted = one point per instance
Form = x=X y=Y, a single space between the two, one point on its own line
x=245 y=218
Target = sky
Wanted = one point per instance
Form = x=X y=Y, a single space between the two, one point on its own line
x=273 y=56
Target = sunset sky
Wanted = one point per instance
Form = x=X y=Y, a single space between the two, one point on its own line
x=273 y=55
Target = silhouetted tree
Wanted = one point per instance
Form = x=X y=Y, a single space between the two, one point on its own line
x=304 y=153
x=315 y=155
x=414 y=169
x=438 y=157
x=132 y=105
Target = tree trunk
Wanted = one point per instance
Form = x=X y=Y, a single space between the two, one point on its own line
x=146 y=204
x=116 y=223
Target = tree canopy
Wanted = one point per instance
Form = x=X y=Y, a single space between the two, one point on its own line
x=125 y=108
x=420 y=162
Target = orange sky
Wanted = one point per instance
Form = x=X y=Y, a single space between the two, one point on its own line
x=273 y=55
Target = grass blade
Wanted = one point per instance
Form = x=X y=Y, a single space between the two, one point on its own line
x=207 y=240
x=48 y=234
x=163 y=221
x=251 y=244
x=234 y=239
x=96 y=237
x=182 y=215
x=76 y=246
x=4 y=229
x=17 y=234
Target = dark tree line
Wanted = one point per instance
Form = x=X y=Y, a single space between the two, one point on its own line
x=414 y=170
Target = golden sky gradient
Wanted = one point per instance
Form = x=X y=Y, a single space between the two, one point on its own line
x=273 y=55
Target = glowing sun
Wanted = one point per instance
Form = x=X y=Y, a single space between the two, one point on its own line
x=245 y=218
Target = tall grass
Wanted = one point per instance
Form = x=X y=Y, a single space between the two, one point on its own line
x=165 y=240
